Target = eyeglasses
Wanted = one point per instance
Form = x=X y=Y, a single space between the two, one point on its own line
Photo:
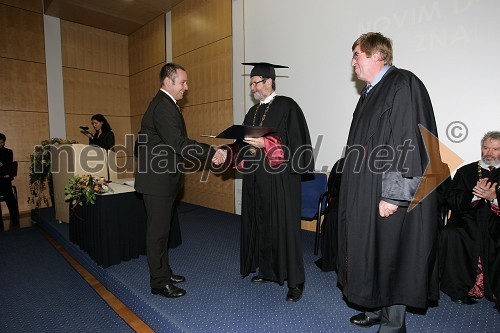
x=253 y=84
x=355 y=55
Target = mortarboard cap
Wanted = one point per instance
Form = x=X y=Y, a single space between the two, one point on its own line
x=263 y=69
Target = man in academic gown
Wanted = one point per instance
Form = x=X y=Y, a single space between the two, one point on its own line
x=470 y=242
x=329 y=227
x=386 y=252
x=162 y=147
x=271 y=201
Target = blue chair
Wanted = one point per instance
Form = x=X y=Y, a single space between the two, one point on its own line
x=314 y=188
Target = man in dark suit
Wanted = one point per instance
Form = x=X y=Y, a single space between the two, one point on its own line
x=6 y=159
x=163 y=145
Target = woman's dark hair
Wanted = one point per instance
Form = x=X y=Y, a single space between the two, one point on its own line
x=105 y=125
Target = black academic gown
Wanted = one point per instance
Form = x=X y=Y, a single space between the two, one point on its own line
x=329 y=227
x=473 y=231
x=270 y=228
x=387 y=261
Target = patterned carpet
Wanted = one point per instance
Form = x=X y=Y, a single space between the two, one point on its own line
x=41 y=292
x=218 y=300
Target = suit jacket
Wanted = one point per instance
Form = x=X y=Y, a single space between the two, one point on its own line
x=162 y=147
x=106 y=140
x=6 y=158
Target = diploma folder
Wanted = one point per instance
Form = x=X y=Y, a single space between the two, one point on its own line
x=239 y=132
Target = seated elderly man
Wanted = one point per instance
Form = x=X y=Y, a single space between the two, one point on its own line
x=470 y=242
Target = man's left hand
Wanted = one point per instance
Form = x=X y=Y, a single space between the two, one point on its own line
x=386 y=209
x=256 y=142
x=485 y=189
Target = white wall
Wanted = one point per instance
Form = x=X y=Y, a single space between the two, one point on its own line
x=53 y=64
x=451 y=45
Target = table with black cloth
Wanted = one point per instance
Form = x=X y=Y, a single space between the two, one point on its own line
x=113 y=229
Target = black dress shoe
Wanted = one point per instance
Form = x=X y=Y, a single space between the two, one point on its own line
x=257 y=279
x=177 y=278
x=467 y=300
x=295 y=294
x=169 y=291
x=363 y=320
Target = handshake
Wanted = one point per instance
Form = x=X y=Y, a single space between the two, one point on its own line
x=220 y=155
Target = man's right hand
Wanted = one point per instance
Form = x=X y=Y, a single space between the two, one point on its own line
x=219 y=156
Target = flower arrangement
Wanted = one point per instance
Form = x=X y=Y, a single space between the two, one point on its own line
x=40 y=171
x=83 y=189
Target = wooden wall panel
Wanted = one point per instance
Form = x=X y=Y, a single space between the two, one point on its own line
x=147 y=55
x=96 y=80
x=214 y=191
x=93 y=49
x=197 y=23
x=210 y=118
x=23 y=91
x=16 y=93
x=32 y=5
x=143 y=87
x=21 y=35
x=147 y=46
x=24 y=130
x=126 y=166
x=209 y=73
x=135 y=125
x=202 y=43
x=218 y=190
x=88 y=92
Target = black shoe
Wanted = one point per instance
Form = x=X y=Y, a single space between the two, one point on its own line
x=295 y=294
x=363 y=320
x=177 y=278
x=169 y=291
x=467 y=300
x=257 y=279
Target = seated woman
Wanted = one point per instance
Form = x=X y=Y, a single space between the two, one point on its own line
x=103 y=135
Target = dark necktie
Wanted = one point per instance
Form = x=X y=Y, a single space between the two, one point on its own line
x=365 y=91
x=491 y=167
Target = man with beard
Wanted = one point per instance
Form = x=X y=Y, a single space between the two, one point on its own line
x=271 y=167
x=386 y=251
x=470 y=242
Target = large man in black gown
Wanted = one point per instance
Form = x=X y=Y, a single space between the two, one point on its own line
x=470 y=242
x=271 y=168
x=386 y=252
